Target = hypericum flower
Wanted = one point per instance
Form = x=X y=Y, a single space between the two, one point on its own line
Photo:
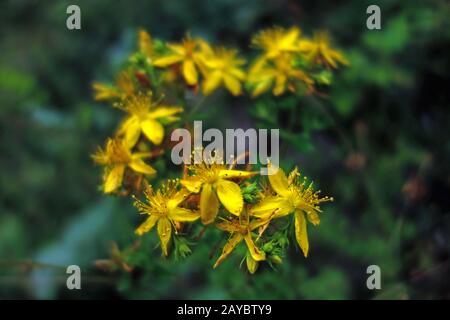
x=277 y=40
x=189 y=54
x=293 y=196
x=223 y=68
x=241 y=229
x=116 y=157
x=280 y=74
x=124 y=88
x=319 y=51
x=163 y=208
x=145 y=115
x=212 y=180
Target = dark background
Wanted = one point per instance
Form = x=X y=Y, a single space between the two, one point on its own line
x=379 y=143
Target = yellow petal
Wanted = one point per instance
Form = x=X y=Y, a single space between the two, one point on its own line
x=255 y=252
x=228 y=226
x=164 y=111
x=232 y=242
x=232 y=84
x=271 y=207
x=212 y=81
x=153 y=130
x=190 y=72
x=209 y=204
x=177 y=49
x=278 y=180
x=183 y=215
x=306 y=45
x=300 y=232
x=261 y=87
x=238 y=73
x=164 y=233
x=290 y=39
x=230 y=196
x=280 y=85
x=313 y=217
x=192 y=184
x=130 y=129
x=254 y=224
x=252 y=264
x=230 y=174
x=113 y=178
x=147 y=225
x=257 y=66
x=104 y=92
x=138 y=165
x=167 y=60
x=145 y=43
x=179 y=197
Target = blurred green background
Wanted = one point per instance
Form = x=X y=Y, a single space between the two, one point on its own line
x=379 y=144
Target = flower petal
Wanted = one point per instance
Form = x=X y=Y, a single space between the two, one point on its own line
x=212 y=81
x=255 y=252
x=183 y=214
x=232 y=242
x=232 y=84
x=230 y=174
x=190 y=72
x=271 y=207
x=280 y=85
x=164 y=233
x=313 y=217
x=167 y=60
x=164 y=111
x=278 y=180
x=193 y=184
x=147 y=225
x=113 y=178
x=227 y=226
x=301 y=233
x=178 y=198
x=209 y=204
x=254 y=224
x=153 y=130
x=130 y=129
x=138 y=165
x=261 y=87
x=145 y=43
x=230 y=196
x=104 y=92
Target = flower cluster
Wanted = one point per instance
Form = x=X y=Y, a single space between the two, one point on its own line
x=289 y=61
x=150 y=91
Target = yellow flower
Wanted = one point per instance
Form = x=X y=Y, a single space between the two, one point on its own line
x=212 y=180
x=124 y=88
x=280 y=74
x=188 y=54
x=163 y=209
x=241 y=229
x=116 y=158
x=277 y=40
x=145 y=116
x=223 y=68
x=319 y=51
x=294 y=196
